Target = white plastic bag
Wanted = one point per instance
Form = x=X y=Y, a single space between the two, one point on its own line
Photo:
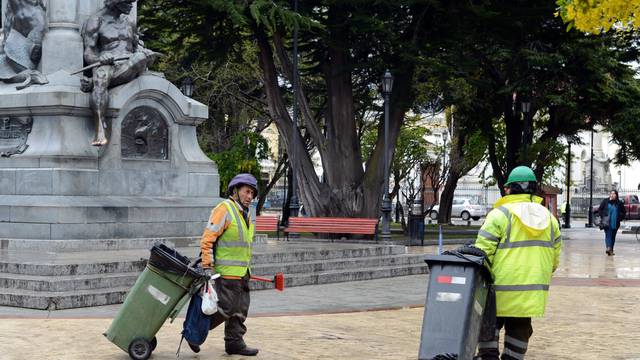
x=209 y=299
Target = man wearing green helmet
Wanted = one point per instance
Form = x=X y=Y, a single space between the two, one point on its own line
x=522 y=242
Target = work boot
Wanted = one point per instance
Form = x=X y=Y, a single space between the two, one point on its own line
x=245 y=351
x=195 y=348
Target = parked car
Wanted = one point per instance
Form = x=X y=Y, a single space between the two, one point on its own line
x=466 y=208
x=631 y=205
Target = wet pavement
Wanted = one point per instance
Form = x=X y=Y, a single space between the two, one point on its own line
x=593 y=313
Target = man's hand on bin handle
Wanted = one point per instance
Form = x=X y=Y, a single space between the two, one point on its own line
x=210 y=275
x=471 y=250
x=466 y=249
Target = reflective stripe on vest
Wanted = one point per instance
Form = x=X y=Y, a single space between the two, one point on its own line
x=507 y=213
x=488 y=235
x=232 y=263
x=531 y=287
x=525 y=243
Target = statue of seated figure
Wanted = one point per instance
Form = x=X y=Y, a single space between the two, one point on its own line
x=111 y=41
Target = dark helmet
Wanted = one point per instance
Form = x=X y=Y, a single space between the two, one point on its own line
x=243 y=179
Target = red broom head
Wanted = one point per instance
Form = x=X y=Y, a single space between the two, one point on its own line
x=279 y=280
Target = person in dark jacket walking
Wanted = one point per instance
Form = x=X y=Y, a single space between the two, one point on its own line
x=611 y=212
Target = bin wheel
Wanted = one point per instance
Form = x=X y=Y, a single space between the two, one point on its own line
x=140 y=349
x=154 y=343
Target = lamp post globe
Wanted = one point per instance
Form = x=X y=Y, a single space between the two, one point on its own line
x=187 y=86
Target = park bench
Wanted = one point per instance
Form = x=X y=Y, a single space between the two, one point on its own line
x=268 y=223
x=333 y=225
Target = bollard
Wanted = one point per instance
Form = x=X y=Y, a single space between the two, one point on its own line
x=439 y=239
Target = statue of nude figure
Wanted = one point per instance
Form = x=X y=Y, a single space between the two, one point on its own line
x=111 y=40
x=21 y=47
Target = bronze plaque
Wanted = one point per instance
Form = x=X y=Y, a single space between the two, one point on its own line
x=145 y=134
x=13 y=135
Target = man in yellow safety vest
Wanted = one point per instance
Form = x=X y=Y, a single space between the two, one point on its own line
x=226 y=249
x=521 y=239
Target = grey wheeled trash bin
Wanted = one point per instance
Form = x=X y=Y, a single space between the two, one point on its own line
x=456 y=298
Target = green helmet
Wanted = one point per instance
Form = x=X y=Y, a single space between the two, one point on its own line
x=521 y=174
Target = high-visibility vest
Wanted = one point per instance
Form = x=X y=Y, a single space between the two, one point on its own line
x=522 y=242
x=233 y=247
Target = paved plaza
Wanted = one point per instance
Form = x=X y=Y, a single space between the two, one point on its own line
x=593 y=313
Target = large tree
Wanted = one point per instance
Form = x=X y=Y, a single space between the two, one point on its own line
x=517 y=52
x=345 y=46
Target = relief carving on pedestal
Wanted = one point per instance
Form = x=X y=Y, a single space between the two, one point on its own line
x=13 y=135
x=145 y=134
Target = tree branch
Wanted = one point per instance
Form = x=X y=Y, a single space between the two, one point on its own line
x=312 y=125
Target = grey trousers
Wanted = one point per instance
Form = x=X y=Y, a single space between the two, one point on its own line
x=233 y=308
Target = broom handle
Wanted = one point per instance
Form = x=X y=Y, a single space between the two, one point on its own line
x=257 y=278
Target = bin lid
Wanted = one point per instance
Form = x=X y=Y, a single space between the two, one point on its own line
x=170 y=260
x=452 y=259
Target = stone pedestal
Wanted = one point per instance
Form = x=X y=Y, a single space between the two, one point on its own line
x=151 y=181
x=62 y=188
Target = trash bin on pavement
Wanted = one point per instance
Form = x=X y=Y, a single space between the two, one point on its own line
x=456 y=298
x=160 y=292
x=416 y=223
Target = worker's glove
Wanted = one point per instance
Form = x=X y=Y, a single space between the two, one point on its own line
x=471 y=250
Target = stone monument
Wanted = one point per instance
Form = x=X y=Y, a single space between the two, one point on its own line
x=150 y=182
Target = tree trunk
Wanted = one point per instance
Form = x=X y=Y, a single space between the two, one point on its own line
x=348 y=190
x=280 y=170
x=460 y=163
x=446 y=198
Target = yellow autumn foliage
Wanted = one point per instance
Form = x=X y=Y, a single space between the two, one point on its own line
x=596 y=16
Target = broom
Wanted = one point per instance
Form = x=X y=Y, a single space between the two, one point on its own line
x=278 y=279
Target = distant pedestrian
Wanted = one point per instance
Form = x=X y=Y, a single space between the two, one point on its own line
x=611 y=212
x=563 y=212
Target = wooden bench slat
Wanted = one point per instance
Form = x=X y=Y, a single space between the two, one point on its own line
x=339 y=220
x=333 y=225
x=267 y=223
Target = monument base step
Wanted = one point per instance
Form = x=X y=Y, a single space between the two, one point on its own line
x=81 y=279
x=47 y=300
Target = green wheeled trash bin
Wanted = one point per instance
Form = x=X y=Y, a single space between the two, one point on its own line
x=453 y=312
x=160 y=292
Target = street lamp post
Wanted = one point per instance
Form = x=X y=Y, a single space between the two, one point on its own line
x=567 y=210
x=620 y=182
x=590 y=213
x=387 y=85
x=294 y=205
x=526 y=108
